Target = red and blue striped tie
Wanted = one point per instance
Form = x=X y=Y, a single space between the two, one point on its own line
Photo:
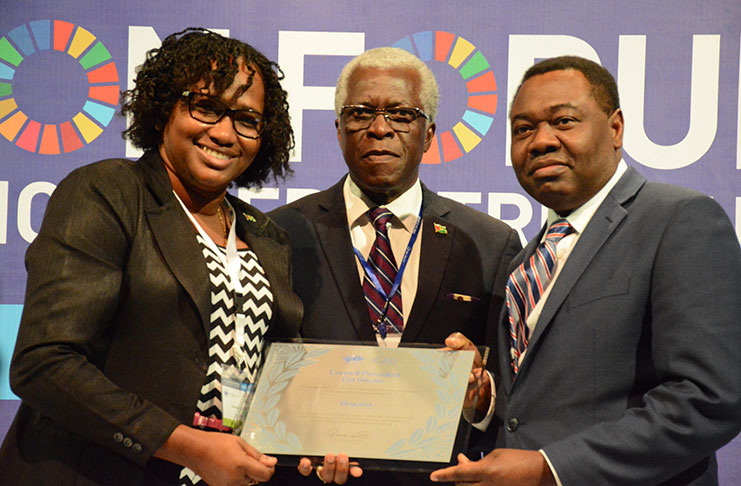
x=527 y=283
x=381 y=260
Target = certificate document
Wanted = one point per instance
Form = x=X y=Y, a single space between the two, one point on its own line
x=366 y=401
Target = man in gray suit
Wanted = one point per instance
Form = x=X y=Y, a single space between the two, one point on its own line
x=453 y=271
x=626 y=369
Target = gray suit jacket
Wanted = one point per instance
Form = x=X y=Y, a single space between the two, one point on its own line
x=112 y=349
x=632 y=374
x=471 y=259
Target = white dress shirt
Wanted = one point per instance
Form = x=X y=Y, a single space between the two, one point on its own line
x=406 y=209
x=578 y=219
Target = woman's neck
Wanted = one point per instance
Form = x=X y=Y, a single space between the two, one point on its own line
x=198 y=202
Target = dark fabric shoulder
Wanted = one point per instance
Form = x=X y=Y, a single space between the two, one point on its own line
x=119 y=181
x=467 y=217
x=125 y=176
x=669 y=192
x=310 y=203
x=310 y=200
x=297 y=217
x=659 y=202
x=106 y=173
x=108 y=190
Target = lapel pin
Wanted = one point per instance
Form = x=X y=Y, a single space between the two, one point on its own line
x=440 y=229
x=249 y=218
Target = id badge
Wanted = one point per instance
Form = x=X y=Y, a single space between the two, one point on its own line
x=236 y=393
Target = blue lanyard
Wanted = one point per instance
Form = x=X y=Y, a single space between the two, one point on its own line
x=380 y=325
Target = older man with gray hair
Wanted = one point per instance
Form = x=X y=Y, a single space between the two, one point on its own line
x=440 y=267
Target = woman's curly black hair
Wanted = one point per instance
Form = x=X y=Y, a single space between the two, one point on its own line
x=193 y=55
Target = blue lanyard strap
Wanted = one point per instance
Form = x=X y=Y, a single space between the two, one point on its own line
x=399 y=273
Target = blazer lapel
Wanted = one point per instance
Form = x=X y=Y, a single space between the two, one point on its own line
x=434 y=254
x=599 y=229
x=251 y=232
x=273 y=257
x=175 y=238
x=334 y=238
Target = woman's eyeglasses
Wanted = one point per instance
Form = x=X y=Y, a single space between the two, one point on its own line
x=210 y=109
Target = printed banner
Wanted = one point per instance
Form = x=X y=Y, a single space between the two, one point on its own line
x=63 y=65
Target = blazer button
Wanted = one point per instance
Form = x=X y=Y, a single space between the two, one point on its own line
x=512 y=424
x=118 y=436
x=136 y=448
x=127 y=442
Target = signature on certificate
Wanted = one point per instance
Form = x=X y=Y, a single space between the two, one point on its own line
x=359 y=435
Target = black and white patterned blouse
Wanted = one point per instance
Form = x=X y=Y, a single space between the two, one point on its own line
x=257 y=305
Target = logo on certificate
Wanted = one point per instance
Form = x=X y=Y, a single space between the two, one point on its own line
x=353 y=359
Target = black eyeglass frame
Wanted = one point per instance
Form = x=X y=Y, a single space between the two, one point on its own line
x=386 y=116
x=189 y=95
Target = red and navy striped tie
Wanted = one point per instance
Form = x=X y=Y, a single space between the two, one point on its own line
x=381 y=260
x=527 y=283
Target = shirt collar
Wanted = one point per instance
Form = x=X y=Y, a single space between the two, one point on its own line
x=580 y=217
x=405 y=207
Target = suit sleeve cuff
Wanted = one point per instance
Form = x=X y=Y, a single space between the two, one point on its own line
x=550 y=466
x=484 y=423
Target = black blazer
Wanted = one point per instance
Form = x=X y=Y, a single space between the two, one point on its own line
x=112 y=348
x=632 y=374
x=471 y=259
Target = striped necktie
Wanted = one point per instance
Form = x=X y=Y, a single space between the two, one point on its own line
x=386 y=316
x=527 y=283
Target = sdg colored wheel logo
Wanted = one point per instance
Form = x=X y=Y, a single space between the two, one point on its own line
x=480 y=84
x=25 y=44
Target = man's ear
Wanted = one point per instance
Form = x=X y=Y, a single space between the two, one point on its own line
x=617 y=124
x=429 y=135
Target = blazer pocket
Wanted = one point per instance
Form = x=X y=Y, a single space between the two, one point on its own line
x=609 y=288
x=462 y=298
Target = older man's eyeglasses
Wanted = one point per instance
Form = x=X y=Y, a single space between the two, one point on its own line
x=399 y=118
x=209 y=109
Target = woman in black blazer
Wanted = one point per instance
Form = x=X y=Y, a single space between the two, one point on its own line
x=147 y=282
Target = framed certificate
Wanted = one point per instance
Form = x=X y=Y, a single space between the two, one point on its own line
x=386 y=408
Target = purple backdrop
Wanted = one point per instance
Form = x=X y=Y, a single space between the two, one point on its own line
x=62 y=64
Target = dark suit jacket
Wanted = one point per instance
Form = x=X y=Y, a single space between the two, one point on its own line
x=112 y=348
x=632 y=374
x=471 y=259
